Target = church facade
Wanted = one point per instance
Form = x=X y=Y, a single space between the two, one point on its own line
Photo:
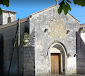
x=55 y=45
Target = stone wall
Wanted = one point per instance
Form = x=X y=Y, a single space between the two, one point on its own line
x=29 y=55
x=26 y=54
x=8 y=35
x=29 y=61
x=49 y=26
x=80 y=54
x=71 y=65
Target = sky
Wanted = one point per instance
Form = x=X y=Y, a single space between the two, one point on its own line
x=24 y=8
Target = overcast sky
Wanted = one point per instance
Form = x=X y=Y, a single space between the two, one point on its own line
x=26 y=7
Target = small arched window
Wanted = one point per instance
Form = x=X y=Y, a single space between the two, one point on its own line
x=9 y=19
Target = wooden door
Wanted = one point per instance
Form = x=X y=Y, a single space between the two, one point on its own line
x=55 y=63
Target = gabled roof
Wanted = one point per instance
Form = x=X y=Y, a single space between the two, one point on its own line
x=13 y=23
x=43 y=10
x=25 y=19
x=8 y=11
x=73 y=17
x=51 y=7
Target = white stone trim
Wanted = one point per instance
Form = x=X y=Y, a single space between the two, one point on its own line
x=62 y=67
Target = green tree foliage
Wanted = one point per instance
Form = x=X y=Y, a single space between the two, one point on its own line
x=4 y=2
x=65 y=5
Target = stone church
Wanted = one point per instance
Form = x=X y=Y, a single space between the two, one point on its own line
x=55 y=45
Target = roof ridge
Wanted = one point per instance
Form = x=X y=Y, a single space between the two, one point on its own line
x=25 y=19
x=74 y=17
x=9 y=11
x=50 y=7
x=43 y=10
x=13 y=23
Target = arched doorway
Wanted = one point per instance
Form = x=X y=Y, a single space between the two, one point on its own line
x=57 y=58
x=9 y=19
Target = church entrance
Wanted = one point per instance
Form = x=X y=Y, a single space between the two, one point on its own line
x=55 y=63
x=57 y=59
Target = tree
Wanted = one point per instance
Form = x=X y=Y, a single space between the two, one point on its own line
x=4 y=2
x=64 y=5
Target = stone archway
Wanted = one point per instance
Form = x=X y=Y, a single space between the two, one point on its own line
x=58 y=52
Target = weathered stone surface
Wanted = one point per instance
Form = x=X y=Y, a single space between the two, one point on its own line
x=57 y=27
x=80 y=54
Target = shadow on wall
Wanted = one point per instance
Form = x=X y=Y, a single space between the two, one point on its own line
x=6 y=46
x=1 y=54
x=14 y=65
x=80 y=55
x=29 y=56
x=8 y=50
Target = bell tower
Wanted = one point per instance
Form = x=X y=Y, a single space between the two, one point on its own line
x=7 y=17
